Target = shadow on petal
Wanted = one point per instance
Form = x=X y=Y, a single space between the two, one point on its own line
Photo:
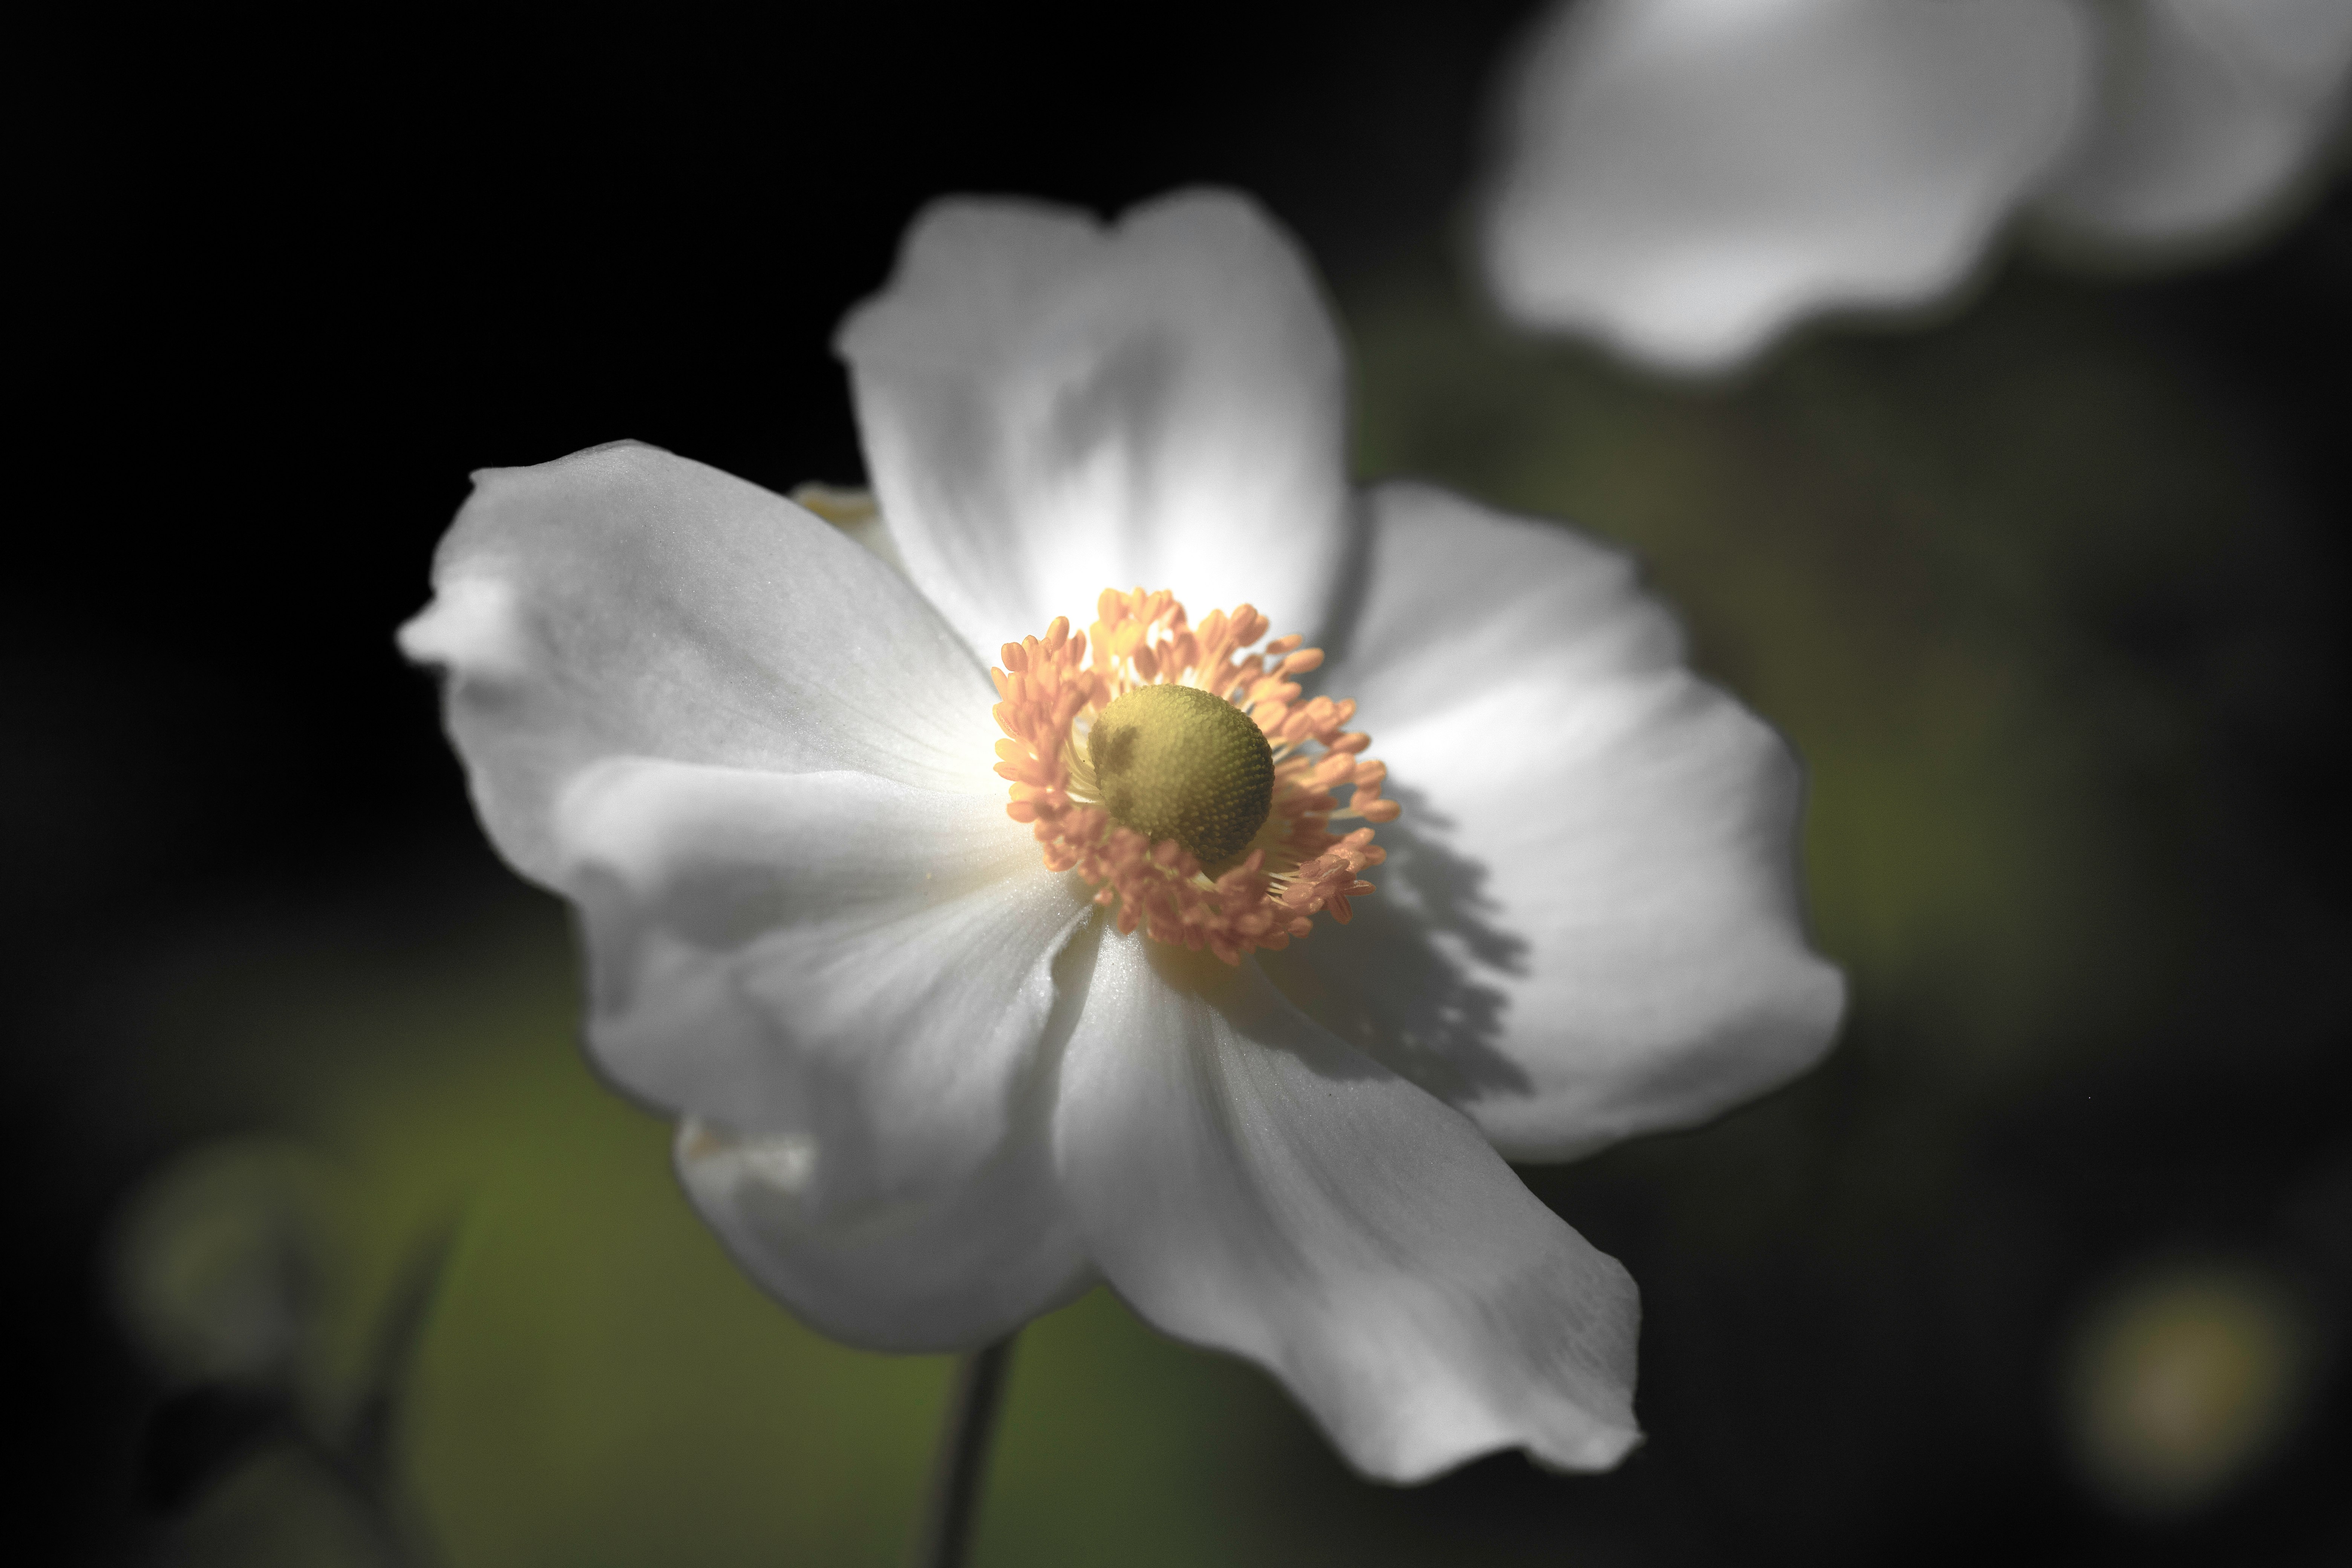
x=1112 y=415
x=1399 y=980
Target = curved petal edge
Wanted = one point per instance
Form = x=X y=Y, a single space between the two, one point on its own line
x=1588 y=925
x=1052 y=405
x=626 y=601
x=1247 y=1182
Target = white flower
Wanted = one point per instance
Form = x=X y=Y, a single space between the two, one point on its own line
x=927 y=1088
x=1685 y=179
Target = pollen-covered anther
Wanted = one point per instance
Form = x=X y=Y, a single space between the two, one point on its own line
x=1175 y=768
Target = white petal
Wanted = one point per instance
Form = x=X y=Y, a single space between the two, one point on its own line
x=949 y=1270
x=1589 y=924
x=1247 y=1182
x=828 y=955
x=626 y=602
x=2212 y=112
x=1685 y=179
x=1051 y=407
x=845 y=982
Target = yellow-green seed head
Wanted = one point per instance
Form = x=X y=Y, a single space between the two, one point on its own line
x=1176 y=762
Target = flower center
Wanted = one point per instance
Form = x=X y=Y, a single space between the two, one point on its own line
x=1175 y=762
x=1175 y=768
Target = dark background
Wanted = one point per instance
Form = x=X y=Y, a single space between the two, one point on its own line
x=295 y=280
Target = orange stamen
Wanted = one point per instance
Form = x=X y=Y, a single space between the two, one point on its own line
x=1294 y=869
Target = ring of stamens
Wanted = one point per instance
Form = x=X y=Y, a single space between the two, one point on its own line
x=1052 y=689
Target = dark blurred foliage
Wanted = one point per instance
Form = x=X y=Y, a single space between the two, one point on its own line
x=2049 y=596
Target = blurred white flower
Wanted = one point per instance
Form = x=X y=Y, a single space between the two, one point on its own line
x=930 y=1086
x=1685 y=179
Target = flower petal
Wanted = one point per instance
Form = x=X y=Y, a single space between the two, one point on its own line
x=949 y=1271
x=845 y=983
x=1051 y=407
x=1588 y=925
x=832 y=955
x=626 y=602
x=2213 y=111
x=1685 y=179
x=1247 y=1182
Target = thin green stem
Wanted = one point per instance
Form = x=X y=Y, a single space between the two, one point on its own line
x=962 y=1462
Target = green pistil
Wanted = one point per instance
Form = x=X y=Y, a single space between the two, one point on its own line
x=1175 y=762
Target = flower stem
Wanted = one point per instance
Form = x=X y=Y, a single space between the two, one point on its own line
x=963 y=1460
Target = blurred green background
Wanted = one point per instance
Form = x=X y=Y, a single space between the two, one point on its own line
x=2049 y=1261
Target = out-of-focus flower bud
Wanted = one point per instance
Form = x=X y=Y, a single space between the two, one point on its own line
x=219 y=1262
x=2183 y=1381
